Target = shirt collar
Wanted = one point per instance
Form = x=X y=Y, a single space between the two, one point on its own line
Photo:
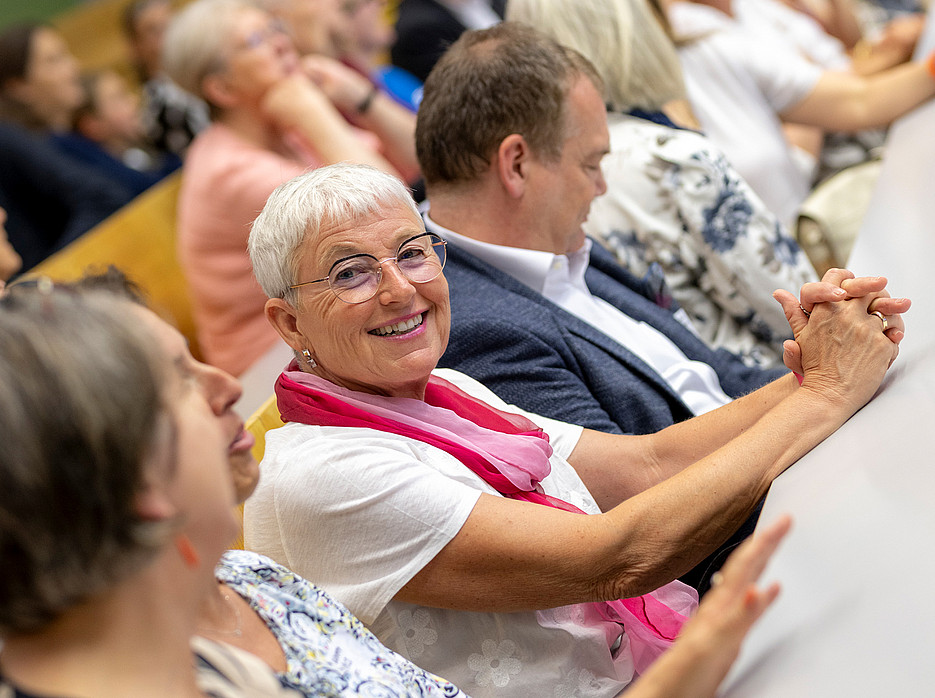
x=532 y=268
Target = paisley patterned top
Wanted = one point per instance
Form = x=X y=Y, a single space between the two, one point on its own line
x=328 y=650
x=673 y=199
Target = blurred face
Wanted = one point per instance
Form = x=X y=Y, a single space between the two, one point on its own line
x=316 y=26
x=150 y=27
x=10 y=261
x=117 y=110
x=260 y=54
x=368 y=32
x=562 y=191
x=217 y=391
x=387 y=345
x=51 y=86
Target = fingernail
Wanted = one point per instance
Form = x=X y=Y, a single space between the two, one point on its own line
x=840 y=292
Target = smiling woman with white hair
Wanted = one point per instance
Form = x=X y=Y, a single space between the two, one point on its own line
x=510 y=553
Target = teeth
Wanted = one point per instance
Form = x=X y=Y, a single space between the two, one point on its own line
x=399 y=327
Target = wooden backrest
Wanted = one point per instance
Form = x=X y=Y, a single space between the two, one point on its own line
x=95 y=35
x=265 y=418
x=140 y=240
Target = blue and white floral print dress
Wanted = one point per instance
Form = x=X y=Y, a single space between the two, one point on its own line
x=329 y=652
x=674 y=200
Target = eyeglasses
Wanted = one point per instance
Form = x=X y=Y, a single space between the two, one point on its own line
x=259 y=37
x=356 y=278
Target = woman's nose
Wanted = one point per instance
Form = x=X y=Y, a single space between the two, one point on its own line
x=394 y=286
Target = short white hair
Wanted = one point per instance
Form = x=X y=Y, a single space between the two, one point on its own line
x=196 y=42
x=298 y=209
x=628 y=46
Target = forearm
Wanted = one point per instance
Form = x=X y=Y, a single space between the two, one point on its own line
x=396 y=128
x=514 y=556
x=311 y=114
x=843 y=24
x=639 y=463
x=847 y=102
x=671 y=527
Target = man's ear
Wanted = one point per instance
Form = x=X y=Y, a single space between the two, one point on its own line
x=512 y=164
x=284 y=319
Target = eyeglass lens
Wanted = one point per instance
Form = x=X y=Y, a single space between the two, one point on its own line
x=357 y=278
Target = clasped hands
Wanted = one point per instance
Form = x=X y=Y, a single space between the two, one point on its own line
x=837 y=336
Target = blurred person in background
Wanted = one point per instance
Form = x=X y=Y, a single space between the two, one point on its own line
x=270 y=122
x=108 y=134
x=50 y=197
x=172 y=117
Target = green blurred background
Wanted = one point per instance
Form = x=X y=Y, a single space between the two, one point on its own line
x=18 y=10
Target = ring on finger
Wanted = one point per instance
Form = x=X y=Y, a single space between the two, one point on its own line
x=808 y=313
x=882 y=319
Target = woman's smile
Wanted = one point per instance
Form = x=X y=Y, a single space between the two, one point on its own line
x=405 y=327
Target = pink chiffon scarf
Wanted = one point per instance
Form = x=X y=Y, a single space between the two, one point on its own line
x=506 y=450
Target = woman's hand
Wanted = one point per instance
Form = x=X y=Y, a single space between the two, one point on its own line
x=839 y=285
x=346 y=88
x=844 y=352
x=293 y=99
x=709 y=642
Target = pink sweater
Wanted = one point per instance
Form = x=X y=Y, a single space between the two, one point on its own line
x=225 y=186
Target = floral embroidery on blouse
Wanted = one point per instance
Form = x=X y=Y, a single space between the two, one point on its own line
x=416 y=630
x=496 y=663
x=329 y=652
x=673 y=199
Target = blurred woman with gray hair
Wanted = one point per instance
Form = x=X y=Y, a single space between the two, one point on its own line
x=270 y=123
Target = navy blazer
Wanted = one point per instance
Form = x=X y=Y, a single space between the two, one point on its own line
x=534 y=354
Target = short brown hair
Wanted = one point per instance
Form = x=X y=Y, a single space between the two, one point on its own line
x=490 y=84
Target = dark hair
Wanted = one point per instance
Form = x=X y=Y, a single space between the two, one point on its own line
x=82 y=414
x=15 y=46
x=490 y=84
x=132 y=12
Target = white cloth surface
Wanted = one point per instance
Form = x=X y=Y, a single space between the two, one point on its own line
x=362 y=511
x=560 y=278
x=738 y=86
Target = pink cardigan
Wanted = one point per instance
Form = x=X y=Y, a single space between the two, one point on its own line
x=225 y=185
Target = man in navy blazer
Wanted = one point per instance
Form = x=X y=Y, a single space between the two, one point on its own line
x=511 y=153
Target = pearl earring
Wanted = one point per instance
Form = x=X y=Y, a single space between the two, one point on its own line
x=308 y=358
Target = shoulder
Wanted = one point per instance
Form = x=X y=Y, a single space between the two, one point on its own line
x=223 y=671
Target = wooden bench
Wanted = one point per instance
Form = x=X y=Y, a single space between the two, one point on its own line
x=139 y=239
x=265 y=418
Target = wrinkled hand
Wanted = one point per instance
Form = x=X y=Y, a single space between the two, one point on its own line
x=345 y=87
x=838 y=285
x=844 y=353
x=724 y=617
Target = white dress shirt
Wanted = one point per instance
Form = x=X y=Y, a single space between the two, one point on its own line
x=560 y=278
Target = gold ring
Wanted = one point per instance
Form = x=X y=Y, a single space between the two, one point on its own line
x=882 y=319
